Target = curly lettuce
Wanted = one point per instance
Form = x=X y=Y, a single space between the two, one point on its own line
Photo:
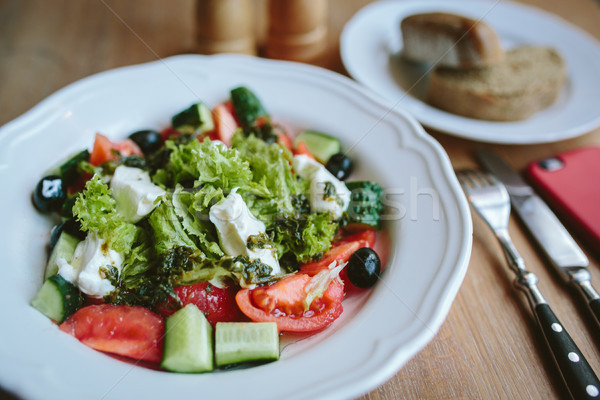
x=201 y=174
x=197 y=163
x=272 y=169
x=95 y=209
x=307 y=237
x=167 y=230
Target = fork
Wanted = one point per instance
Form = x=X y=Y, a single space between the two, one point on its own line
x=489 y=198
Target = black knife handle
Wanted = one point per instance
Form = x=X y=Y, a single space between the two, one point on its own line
x=595 y=307
x=577 y=373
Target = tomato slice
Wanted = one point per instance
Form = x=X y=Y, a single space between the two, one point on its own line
x=168 y=133
x=366 y=237
x=105 y=150
x=302 y=148
x=130 y=331
x=282 y=302
x=225 y=123
x=218 y=305
x=283 y=138
x=339 y=252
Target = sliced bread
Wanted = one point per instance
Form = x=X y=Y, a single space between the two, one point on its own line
x=527 y=81
x=450 y=40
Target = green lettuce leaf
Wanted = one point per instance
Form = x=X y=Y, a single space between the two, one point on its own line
x=95 y=209
x=271 y=168
x=306 y=236
x=190 y=207
x=197 y=163
x=167 y=231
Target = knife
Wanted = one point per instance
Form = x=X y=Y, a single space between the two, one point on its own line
x=549 y=233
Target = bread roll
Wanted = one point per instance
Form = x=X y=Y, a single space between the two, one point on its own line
x=450 y=40
x=527 y=81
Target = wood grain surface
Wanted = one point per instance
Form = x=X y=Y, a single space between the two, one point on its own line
x=489 y=347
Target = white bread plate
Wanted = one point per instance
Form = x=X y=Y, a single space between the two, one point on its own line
x=371 y=44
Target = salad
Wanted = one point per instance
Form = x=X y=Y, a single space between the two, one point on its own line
x=199 y=245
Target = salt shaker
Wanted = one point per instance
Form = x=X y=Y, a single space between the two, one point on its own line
x=225 y=26
x=297 y=29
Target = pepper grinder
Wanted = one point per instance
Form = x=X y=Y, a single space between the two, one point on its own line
x=297 y=29
x=225 y=26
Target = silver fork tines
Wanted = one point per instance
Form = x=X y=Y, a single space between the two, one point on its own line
x=489 y=198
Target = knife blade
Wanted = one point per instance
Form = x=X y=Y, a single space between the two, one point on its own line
x=552 y=237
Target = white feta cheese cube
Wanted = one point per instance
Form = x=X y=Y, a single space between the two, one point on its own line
x=86 y=269
x=235 y=223
x=134 y=193
x=318 y=176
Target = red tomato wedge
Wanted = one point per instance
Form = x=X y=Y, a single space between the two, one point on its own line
x=168 y=133
x=366 y=237
x=225 y=123
x=283 y=303
x=339 y=252
x=104 y=150
x=283 y=138
x=130 y=331
x=218 y=305
x=302 y=148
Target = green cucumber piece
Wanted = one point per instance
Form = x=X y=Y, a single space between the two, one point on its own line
x=247 y=106
x=195 y=120
x=238 y=342
x=320 y=145
x=57 y=299
x=65 y=248
x=365 y=206
x=188 y=341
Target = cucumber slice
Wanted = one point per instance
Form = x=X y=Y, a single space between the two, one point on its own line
x=365 y=206
x=195 y=120
x=188 y=341
x=320 y=145
x=247 y=106
x=57 y=299
x=65 y=248
x=238 y=342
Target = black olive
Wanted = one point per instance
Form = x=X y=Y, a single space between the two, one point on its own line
x=70 y=226
x=364 y=268
x=148 y=140
x=55 y=234
x=49 y=194
x=340 y=165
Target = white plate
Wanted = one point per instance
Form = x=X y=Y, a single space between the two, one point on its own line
x=371 y=42
x=430 y=237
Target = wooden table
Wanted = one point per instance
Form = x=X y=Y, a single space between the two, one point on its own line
x=489 y=346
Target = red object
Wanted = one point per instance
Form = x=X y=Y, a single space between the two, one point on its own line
x=572 y=190
x=130 y=331
x=301 y=148
x=168 y=133
x=104 y=150
x=283 y=138
x=366 y=237
x=340 y=252
x=79 y=184
x=218 y=305
x=225 y=123
x=282 y=302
